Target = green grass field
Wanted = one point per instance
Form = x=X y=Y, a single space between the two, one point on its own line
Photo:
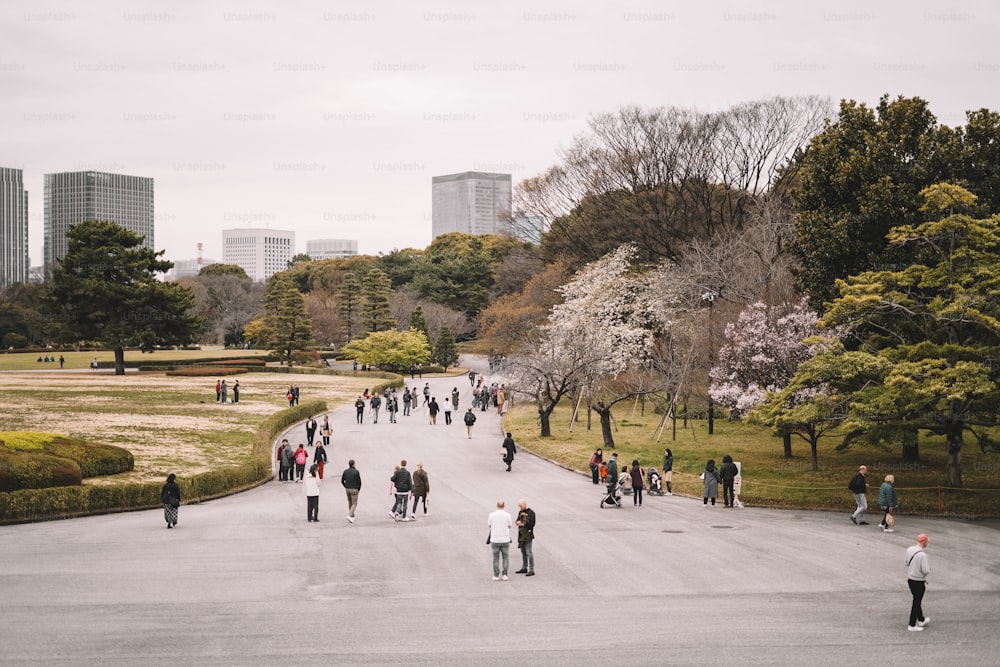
x=768 y=477
x=28 y=361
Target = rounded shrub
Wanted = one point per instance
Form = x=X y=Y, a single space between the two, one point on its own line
x=95 y=460
x=36 y=470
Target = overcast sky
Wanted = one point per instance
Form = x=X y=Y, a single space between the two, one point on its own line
x=330 y=118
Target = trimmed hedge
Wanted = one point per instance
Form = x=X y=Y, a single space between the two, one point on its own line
x=70 y=501
x=201 y=371
x=234 y=362
x=32 y=460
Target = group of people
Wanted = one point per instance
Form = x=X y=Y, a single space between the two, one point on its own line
x=222 y=391
x=292 y=395
x=501 y=525
x=47 y=359
x=887 y=500
x=292 y=462
x=403 y=485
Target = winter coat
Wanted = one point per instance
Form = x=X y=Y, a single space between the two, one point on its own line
x=402 y=481
x=636 y=475
x=301 y=456
x=508 y=445
x=887 y=496
x=668 y=463
x=711 y=485
x=470 y=418
x=526 y=531
x=320 y=454
x=613 y=471
x=858 y=484
x=170 y=494
x=421 y=485
x=728 y=471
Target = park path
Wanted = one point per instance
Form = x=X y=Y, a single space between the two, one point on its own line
x=246 y=580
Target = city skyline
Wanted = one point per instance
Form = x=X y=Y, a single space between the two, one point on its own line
x=331 y=120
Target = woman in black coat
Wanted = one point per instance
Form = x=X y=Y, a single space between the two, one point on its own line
x=170 y=496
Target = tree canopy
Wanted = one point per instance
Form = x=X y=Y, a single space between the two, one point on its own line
x=105 y=289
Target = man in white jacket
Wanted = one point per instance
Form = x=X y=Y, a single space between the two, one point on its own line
x=917 y=569
x=500 y=523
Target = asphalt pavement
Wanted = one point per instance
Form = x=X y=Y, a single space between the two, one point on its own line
x=246 y=580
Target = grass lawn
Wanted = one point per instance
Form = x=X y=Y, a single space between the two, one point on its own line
x=28 y=361
x=768 y=477
x=170 y=424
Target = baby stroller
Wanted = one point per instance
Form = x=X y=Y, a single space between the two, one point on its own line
x=614 y=497
x=655 y=483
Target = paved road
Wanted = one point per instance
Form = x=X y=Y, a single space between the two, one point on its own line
x=247 y=581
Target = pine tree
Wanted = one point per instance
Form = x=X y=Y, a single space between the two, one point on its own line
x=287 y=326
x=349 y=305
x=445 y=353
x=377 y=311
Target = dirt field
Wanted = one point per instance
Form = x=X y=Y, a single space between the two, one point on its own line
x=170 y=424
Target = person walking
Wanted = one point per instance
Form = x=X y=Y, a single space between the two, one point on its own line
x=282 y=469
x=288 y=459
x=376 y=403
x=350 y=479
x=668 y=470
x=472 y=378
x=917 y=569
x=500 y=524
x=295 y=393
x=402 y=484
x=325 y=430
x=525 y=537
x=470 y=420
x=454 y=398
x=710 y=483
x=638 y=483
x=613 y=474
x=359 y=407
x=859 y=487
x=312 y=495
x=406 y=401
x=509 y=450
x=501 y=399
x=427 y=393
x=301 y=458
x=290 y=396
x=596 y=459
x=421 y=487
x=170 y=496
x=310 y=430
x=888 y=502
x=392 y=406
x=447 y=412
x=236 y=392
x=432 y=409
x=728 y=473
x=319 y=459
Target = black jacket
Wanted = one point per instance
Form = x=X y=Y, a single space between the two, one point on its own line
x=526 y=531
x=402 y=481
x=320 y=454
x=171 y=494
x=613 y=471
x=858 y=484
x=470 y=418
x=728 y=471
x=351 y=479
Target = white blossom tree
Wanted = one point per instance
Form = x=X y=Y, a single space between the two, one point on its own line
x=763 y=349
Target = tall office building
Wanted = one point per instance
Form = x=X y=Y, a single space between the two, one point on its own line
x=76 y=196
x=472 y=202
x=13 y=228
x=331 y=248
x=260 y=252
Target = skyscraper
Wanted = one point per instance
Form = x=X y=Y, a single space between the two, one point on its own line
x=76 y=196
x=472 y=202
x=260 y=252
x=13 y=228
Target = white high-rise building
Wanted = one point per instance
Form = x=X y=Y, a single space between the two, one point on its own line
x=76 y=196
x=260 y=252
x=331 y=248
x=14 y=266
x=472 y=202
x=188 y=268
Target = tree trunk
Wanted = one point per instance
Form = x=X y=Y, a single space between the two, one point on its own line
x=119 y=361
x=953 y=464
x=543 y=419
x=911 y=449
x=609 y=439
x=813 y=442
x=786 y=440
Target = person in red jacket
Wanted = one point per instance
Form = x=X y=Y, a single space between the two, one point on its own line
x=301 y=458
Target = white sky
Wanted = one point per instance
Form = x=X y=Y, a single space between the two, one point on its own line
x=329 y=118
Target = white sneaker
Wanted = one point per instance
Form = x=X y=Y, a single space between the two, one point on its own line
x=351 y=519
x=888 y=530
x=498 y=579
x=927 y=619
x=669 y=494
x=911 y=628
x=504 y=578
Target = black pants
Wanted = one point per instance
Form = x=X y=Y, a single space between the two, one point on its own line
x=282 y=473
x=416 y=500
x=300 y=470
x=916 y=611
x=727 y=492
x=594 y=473
x=312 y=508
x=636 y=496
x=310 y=435
x=447 y=417
x=361 y=415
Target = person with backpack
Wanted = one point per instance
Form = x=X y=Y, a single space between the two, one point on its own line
x=406 y=401
x=470 y=420
x=170 y=496
x=288 y=462
x=301 y=458
x=859 y=487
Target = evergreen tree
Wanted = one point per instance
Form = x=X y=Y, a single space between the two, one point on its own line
x=286 y=323
x=377 y=310
x=445 y=353
x=349 y=305
x=418 y=322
